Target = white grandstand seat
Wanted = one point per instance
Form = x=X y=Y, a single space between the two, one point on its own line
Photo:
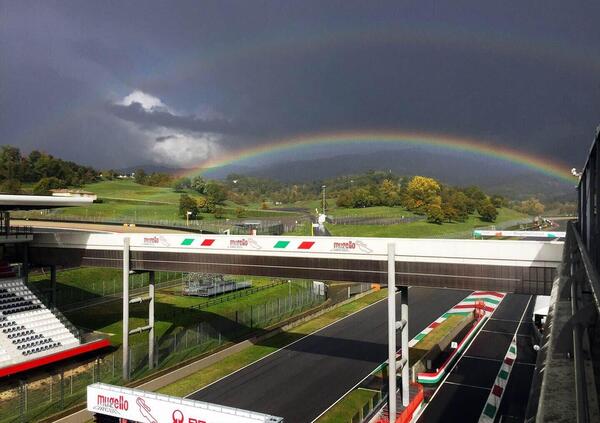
x=27 y=328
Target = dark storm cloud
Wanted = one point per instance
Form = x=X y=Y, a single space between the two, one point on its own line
x=249 y=73
x=137 y=114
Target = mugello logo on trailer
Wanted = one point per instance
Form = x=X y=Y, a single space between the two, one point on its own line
x=149 y=407
x=244 y=243
x=344 y=246
x=351 y=246
x=156 y=240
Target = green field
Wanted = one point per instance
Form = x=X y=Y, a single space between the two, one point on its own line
x=174 y=312
x=423 y=229
x=377 y=211
x=127 y=200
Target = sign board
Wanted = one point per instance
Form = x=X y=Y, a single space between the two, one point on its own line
x=520 y=234
x=318 y=288
x=463 y=251
x=148 y=407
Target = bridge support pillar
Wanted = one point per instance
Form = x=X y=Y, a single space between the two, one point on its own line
x=151 y=340
x=126 y=242
x=391 y=248
x=25 y=269
x=53 y=284
x=404 y=345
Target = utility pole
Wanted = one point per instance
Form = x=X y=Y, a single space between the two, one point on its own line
x=324 y=186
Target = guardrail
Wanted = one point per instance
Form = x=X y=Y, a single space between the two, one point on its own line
x=583 y=277
x=17 y=231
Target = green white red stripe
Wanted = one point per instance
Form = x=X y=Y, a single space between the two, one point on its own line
x=490 y=409
x=279 y=245
x=435 y=377
x=490 y=299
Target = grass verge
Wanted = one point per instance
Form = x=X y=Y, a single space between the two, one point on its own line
x=348 y=407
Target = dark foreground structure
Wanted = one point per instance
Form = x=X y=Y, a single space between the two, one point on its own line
x=567 y=378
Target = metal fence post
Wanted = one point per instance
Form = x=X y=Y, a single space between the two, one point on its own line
x=62 y=389
x=21 y=401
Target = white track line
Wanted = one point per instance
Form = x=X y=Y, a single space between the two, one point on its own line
x=468 y=386
x=369 y=374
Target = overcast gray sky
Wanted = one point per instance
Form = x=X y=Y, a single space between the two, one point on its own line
x=122 y=83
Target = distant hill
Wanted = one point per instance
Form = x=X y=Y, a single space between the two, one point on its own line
x=151 y=168
x=452 y=168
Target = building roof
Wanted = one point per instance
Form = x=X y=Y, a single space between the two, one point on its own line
x=71 y=191
x=36 y=202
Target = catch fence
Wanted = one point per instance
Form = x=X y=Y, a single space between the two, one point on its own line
x=234 y=227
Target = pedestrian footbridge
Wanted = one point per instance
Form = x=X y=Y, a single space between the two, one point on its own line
x=527 y=267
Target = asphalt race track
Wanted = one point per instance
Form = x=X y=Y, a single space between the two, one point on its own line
x=463 y=394
x=301 y=381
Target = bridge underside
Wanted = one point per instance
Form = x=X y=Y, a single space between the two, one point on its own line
x=531 y=280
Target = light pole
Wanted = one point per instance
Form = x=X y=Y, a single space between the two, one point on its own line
x=324 y=186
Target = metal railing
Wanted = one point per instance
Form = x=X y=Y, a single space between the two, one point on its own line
x=17 y=231
x=588 y=193
x=584 y=280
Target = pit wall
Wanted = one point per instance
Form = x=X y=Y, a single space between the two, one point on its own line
x=484 y=301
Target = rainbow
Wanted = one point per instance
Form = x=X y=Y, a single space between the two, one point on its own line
x=412 y=139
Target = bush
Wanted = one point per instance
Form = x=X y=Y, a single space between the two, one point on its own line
x=44 y=186
x=487 y=211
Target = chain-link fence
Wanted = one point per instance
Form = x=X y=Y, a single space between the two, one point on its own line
x=372 y=220
x=25 y=401
x=264 y=226
x=69 y=297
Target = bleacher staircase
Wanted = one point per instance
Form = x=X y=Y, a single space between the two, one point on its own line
x=28 y=329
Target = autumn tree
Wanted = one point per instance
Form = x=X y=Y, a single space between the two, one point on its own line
x=188 y=204
x=532 y=207
x=422 y=192
x=389 y=192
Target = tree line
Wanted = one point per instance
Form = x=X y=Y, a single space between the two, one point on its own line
x=45 y=171
x=423 y=196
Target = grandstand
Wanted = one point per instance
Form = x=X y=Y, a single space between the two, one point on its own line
x=210 y=284
x=32 y=332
